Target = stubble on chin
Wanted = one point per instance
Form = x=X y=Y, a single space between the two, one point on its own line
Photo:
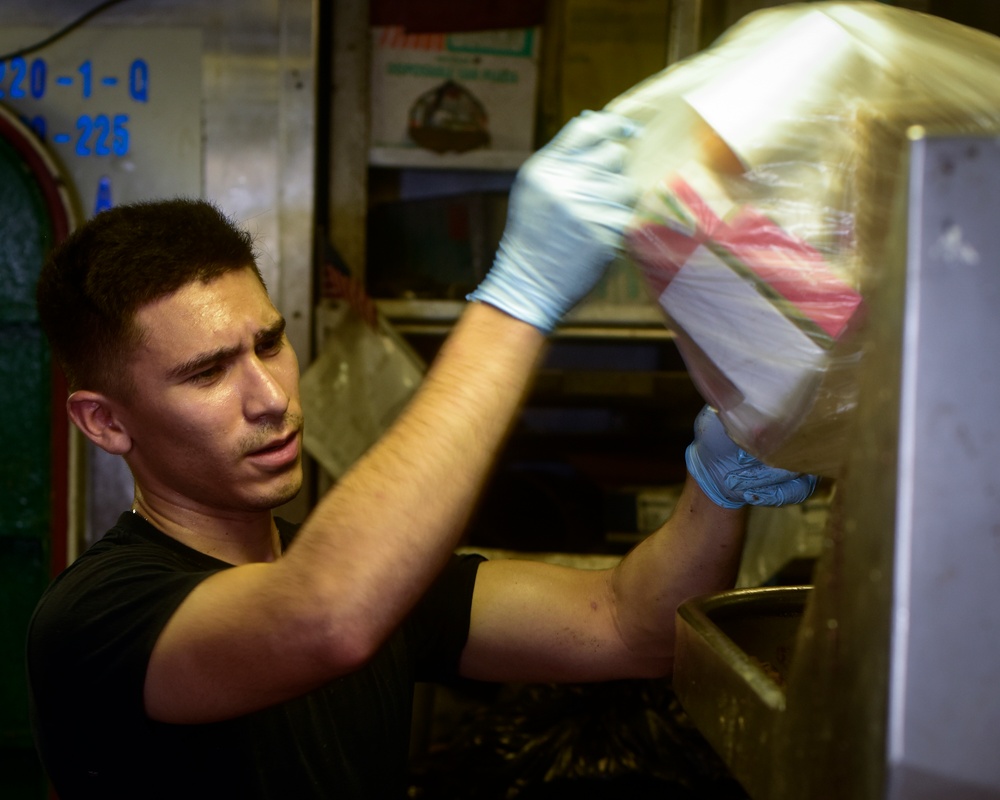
x=272 y=497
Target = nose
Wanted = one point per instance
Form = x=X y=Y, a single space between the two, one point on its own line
x=264 y=392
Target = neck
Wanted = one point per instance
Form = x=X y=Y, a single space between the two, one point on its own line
x=236 y=538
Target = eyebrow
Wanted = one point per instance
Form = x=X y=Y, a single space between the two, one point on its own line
x=203 y=360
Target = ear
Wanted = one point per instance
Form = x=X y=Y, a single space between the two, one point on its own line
x=95 y=415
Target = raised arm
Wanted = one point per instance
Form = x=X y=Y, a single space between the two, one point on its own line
x=533 y=621
x=257 y=634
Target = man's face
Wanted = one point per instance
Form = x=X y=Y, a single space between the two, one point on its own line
x=215 y=421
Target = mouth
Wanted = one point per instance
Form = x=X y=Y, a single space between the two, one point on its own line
x=278 y=452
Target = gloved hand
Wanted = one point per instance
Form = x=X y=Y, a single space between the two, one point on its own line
x=732 y=477
x=567 y=214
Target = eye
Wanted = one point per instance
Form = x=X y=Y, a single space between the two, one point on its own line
x=206 y=375
x=270 y=345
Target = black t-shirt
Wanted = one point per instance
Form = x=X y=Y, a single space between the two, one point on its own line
x=90 y=641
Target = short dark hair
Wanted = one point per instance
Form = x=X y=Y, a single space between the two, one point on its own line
x=92 y=285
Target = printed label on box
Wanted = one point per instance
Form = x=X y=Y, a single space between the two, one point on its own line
x=454 y=93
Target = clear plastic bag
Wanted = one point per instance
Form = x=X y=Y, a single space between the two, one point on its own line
x=351 y=394
x=766 y=163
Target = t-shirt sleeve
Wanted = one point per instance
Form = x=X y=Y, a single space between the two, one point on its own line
x=439 y=627
x=97 y=625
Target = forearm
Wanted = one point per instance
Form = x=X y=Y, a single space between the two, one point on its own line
x=534 y=621
x=538 y=622
x=697 y=551
x=386 y=529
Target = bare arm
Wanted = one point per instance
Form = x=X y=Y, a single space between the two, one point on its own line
x=537 y=622
x=540 y=622
x=260 y=633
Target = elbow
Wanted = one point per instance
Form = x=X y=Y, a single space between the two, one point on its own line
x=351 y=632
x=344 y=645
x=330 y=643
x=336 y=628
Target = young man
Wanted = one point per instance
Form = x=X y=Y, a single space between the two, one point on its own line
x=203 y=648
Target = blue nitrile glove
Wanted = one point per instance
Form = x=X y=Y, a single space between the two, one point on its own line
x=733 y=478
x=568 y=209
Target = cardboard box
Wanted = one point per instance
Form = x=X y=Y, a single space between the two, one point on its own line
x=457 y=99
